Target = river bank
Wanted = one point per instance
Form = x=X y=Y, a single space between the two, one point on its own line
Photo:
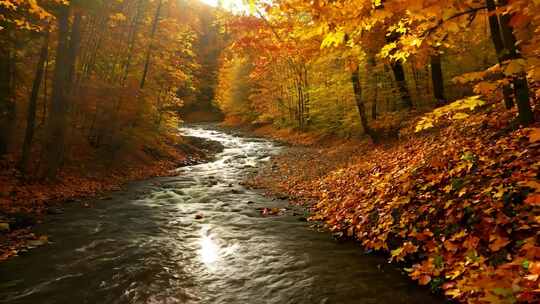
x=199 y=236
x=458 y=207
x=25 y=203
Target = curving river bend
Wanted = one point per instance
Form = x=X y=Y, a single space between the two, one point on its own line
x=149 y=244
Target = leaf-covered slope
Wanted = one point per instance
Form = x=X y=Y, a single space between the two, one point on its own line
x=461 y=205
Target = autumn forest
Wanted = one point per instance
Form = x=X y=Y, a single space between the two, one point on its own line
x=189 y=151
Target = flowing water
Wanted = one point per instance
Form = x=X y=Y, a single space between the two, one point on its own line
x=198 y=237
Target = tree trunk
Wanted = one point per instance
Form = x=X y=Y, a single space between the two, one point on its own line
x=521 y=90
x=94 y=46
x=54 y=147
x=152 y=34
x=132 y=37
x=299 y=110
x=399 y=75
x=7 y=105
x=306 y=96
x=32 y=106
x=437 y=79
x=355 y=79
x=498 y=43
x=372 y=65
x=521 y=87
x=74 y=46
x=45 y=92
x=374 y=110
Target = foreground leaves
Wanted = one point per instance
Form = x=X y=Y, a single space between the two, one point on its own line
x=460 y=206
x=454 y=111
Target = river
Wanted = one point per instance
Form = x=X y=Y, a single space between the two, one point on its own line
x=198 y=237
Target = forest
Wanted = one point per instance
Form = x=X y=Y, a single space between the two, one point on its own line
x=97 y=86
x=407 y=127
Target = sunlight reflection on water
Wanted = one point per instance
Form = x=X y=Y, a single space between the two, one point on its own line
x=213 y=250
x=209 y=251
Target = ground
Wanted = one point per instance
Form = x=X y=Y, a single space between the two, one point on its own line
x=25 y=202
x=457 y=205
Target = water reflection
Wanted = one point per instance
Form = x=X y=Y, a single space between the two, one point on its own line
x=213 y=249
x=209 y=249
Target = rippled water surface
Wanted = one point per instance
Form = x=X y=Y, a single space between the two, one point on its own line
x=149 y=244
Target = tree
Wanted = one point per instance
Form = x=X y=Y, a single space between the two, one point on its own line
x=56 y=124
x=32 y=106
x=510 y=52
x=150 y=46
x=437 y=78
x=355 y=80
x=7 y=104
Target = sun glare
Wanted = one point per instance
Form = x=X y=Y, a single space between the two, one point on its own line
x=210 y=2
x=209 y=250
x=236 y=6
x=212 y=250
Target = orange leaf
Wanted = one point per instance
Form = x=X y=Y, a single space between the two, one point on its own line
x=424 y=280
x=533 y=200
x=498 y=243
x=534 y=135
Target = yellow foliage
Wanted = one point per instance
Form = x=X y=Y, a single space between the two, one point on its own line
x=453 y=111
x=333 y=39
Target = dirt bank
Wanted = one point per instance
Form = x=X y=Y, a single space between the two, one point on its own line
x=24 y=203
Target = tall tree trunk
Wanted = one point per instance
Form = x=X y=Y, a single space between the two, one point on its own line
x=54 y=147
x=86 y=47
x=32 y=106
x=45 y=92
x=299 y=113
x=306 y=96
x=131 y=41
x=397 y=68
x=437 y=79
x=416 y=78
x=74 y=46
x=373 y=71
x=399 y=75
x=521 y=90
x=152 y=34
x=94 y=46
x=498 y=43
x=355 y=79
x=374 y=110
x=7 y=104
x=521 y=87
